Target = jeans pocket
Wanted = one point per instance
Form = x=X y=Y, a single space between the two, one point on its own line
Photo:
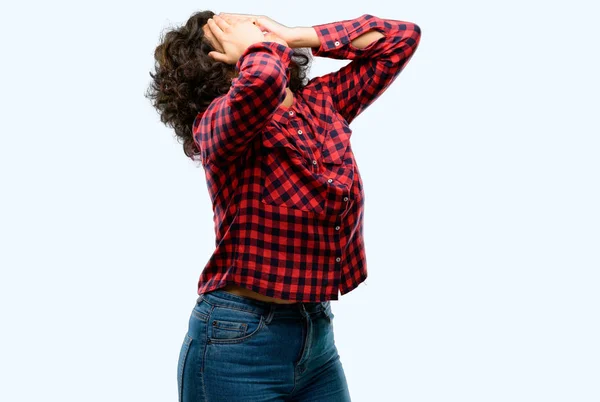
x=233 y=325
x=202 y=309
x=183 y=354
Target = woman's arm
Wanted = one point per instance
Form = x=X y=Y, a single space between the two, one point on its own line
x=231 y=121
x=379 y=50
x=308 y=37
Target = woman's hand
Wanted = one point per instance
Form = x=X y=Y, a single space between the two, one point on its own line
x=234 y=36
x=266 y=24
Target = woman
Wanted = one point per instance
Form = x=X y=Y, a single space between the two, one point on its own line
x=287 y=194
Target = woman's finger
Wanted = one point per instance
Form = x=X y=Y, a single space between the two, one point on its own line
x=224 y=25
x=215 y=29
x=257 y=20
x=236 y=20
x=217 y=56
x=233 y=21
x=230 y=18
x=250 y=16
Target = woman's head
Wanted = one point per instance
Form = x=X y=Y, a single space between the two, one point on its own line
x=186 y=80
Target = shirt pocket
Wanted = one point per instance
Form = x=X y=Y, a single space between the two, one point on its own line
x=336 y=141
x=287 y=180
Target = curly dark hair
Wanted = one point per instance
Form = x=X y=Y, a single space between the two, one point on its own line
x=187 y=80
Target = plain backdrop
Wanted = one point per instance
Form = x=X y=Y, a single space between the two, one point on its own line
x=482 y=225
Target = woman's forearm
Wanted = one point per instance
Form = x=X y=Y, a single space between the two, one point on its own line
x=304 y=37
x=307 y=37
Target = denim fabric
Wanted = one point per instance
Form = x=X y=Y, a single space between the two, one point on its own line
x=247 y=350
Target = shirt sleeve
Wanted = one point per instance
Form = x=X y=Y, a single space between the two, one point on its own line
x=231 y=121
x=373 y=68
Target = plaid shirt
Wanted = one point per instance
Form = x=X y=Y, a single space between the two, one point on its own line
x=286 y=191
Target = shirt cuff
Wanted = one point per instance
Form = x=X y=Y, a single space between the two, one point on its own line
x=284 y=53
x=335 y=36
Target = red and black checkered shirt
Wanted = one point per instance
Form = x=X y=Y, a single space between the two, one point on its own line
x=286 y=191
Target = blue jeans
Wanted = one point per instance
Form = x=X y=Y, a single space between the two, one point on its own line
x=239 y=349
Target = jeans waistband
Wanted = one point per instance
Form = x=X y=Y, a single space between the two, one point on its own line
x=224 y=298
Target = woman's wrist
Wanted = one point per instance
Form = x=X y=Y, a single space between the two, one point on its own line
x=303 y=37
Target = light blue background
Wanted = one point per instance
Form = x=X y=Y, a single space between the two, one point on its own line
x=481 y=173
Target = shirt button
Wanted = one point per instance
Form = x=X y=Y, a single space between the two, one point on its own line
x=337 y=43
x=300 y=132
x=345 y=198
x=291 y=112
x=337 y=228
x=330 y=180
x=338 y=259
x=314 y=162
